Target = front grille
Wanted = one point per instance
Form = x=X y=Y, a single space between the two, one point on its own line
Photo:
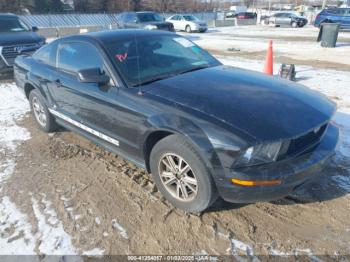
x=9 y=53
x=304 y=143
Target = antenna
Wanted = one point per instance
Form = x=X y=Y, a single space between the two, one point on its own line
x=140 y=92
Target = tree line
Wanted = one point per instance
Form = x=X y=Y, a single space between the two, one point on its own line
x=94 y=6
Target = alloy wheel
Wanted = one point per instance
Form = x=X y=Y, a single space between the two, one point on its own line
x=39 y=112
x=177 y=177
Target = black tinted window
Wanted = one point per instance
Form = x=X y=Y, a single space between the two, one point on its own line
x=73 y=57
x=150 y=17
x=12 y=24
x=129 y=18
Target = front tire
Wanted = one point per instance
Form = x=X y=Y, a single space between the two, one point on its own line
x=188 y=29
x=294 y=24
x=41 y=113
x=181 y=175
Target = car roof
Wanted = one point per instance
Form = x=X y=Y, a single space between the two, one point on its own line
x=145 y=12
x=7 y=15
x=119 y=34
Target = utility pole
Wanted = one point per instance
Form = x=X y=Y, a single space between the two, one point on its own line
x=324 y=4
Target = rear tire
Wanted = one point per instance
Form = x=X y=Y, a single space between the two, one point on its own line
x=181 y=175
x=188 y=29
x=41 y=113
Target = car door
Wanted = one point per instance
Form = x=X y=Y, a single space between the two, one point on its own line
x=88 y=106
x=346 y=19
x=337 y=16
x=278 y=19
x=285 y=19
x=175 y=20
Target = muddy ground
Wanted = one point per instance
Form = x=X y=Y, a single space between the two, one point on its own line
x=92 y=189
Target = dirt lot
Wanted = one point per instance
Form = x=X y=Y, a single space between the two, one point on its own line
x=78 y=198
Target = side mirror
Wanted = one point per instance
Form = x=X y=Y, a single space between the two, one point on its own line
x=93 y=75
x=35 y=29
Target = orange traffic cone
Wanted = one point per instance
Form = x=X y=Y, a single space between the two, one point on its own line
x=268 y=69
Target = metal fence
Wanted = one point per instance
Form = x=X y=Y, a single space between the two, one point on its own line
x=70 y=20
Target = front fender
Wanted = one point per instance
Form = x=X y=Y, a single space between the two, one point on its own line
x=193 y=133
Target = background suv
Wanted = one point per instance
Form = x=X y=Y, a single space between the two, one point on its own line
x=144 y=20
x=288 y=19
x=16 y=38
x=334 y=15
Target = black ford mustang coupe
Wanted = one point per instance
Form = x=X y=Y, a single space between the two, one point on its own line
x=201 y=128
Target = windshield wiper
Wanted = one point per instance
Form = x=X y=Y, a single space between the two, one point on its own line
x=155 y=79
x=152 y=80
x=194 y=69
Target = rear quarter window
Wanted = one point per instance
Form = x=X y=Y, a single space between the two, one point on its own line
x=46 y=54
x=75 y=56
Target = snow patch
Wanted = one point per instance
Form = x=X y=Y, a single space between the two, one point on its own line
x=54 y=240
x=97 y=221
x=96 y=252
x=16 y=236
x=13 y=106
x=120 y=229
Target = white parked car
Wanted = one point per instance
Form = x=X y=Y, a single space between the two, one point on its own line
x=188 y=23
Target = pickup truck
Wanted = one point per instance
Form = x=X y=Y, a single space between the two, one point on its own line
x=16 y=38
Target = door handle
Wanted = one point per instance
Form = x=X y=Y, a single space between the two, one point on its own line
x=58 y=83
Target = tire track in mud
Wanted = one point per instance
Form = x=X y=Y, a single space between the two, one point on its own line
x=219 y=223
x=61 y=148
x=91 y=189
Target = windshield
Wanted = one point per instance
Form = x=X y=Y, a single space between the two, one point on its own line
x=151 y=58
x=12 y=24
x=190 y=18
x=150 y=17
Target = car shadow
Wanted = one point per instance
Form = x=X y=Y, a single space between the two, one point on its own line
x=342 y=44
x=331 y=183
x=303 y=78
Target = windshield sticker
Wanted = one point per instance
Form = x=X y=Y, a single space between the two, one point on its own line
x=184 y=42
x=196 y=49
x=121 y=57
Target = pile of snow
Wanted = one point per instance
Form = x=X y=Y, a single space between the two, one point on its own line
x=13 y=106
x=17 y=235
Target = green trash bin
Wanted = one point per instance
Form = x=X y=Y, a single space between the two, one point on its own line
x=328 y=34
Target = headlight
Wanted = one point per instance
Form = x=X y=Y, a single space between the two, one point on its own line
x=264 y=153
x=151 y=27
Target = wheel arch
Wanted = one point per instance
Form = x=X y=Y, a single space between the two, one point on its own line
x=165 y=125
x=28 y=87
x=32 y=83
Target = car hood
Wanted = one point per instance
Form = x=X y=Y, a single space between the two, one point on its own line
x=18 y=38
x=264 y=107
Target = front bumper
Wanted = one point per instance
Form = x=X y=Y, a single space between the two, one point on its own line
x=200 y=28
x=292 y=172
x=4 y=68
